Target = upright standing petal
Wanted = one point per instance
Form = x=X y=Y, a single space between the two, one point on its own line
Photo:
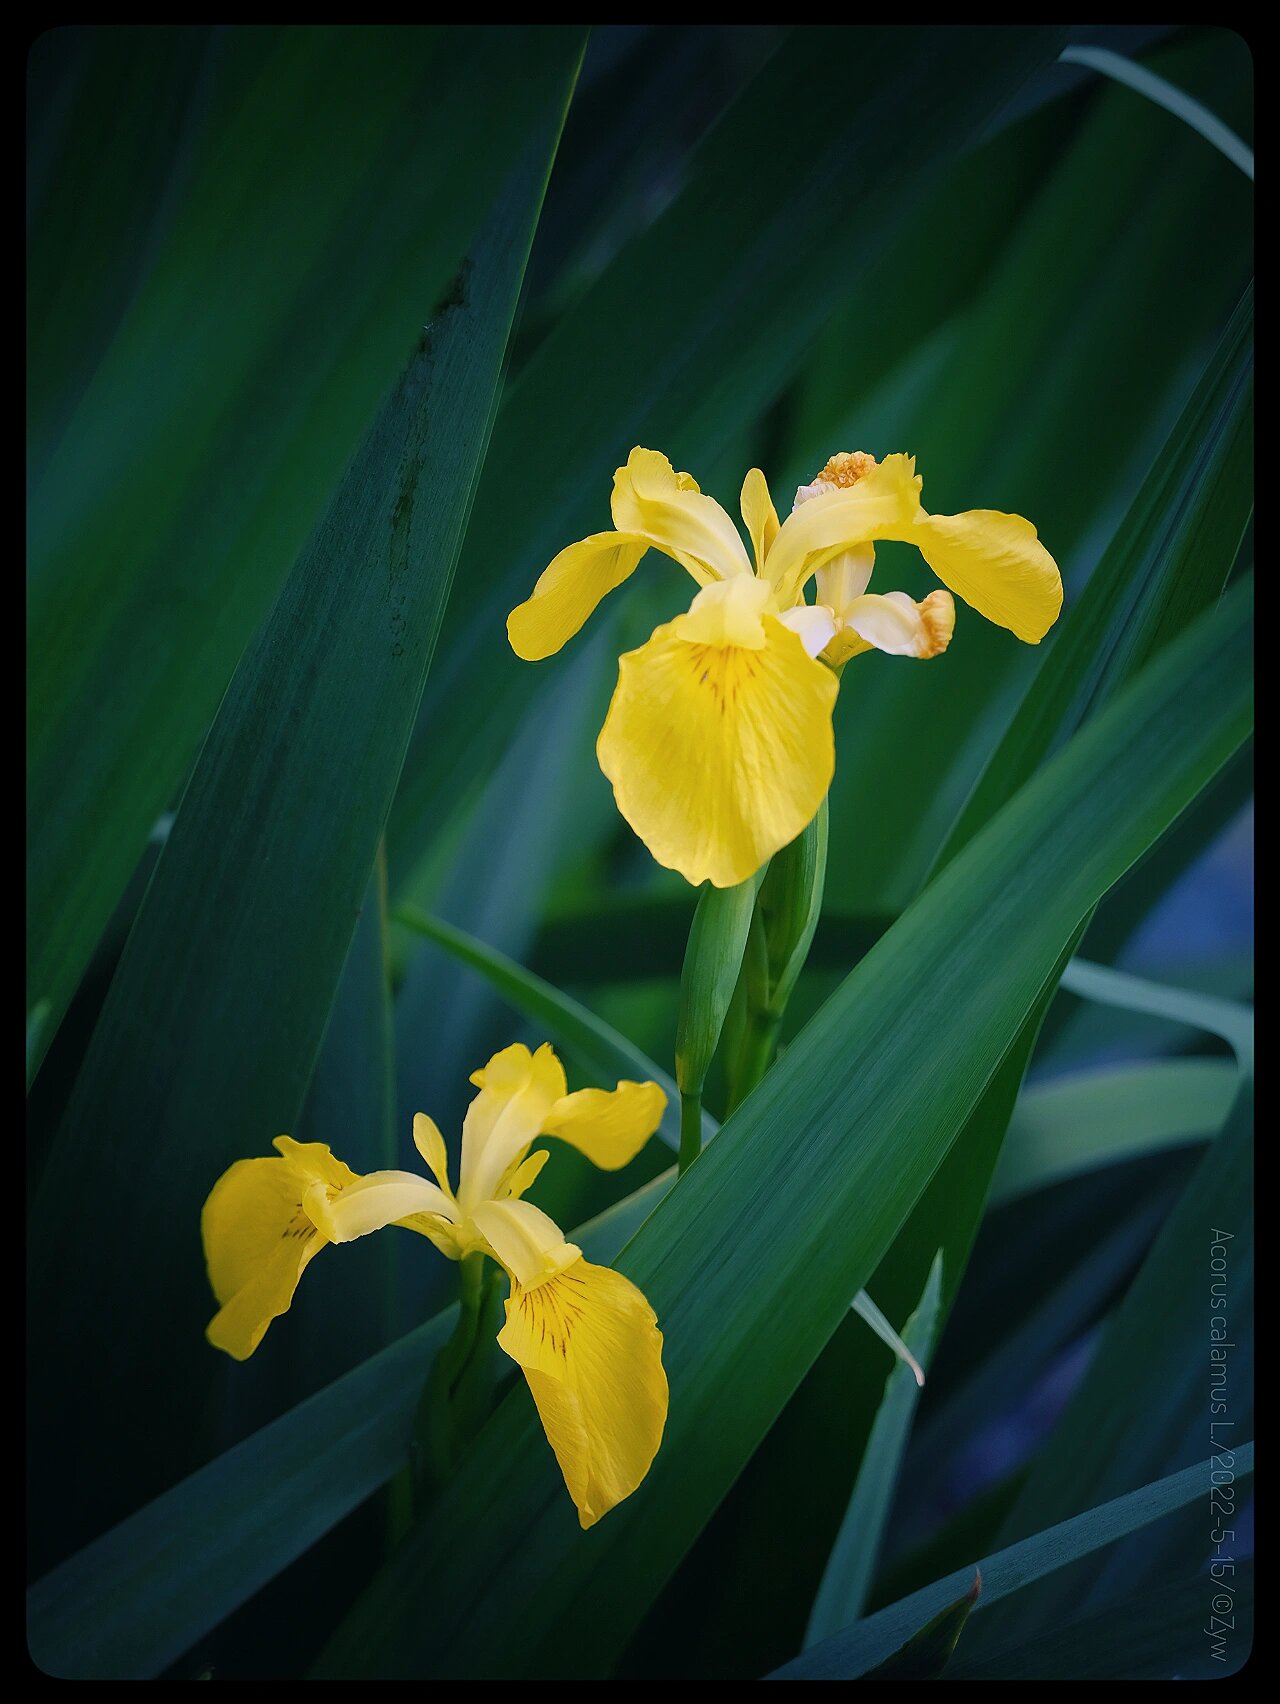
x=759 y=514
x=719 y=754
x=845 y=577
x=591 y=1351
x=517 y=1091
x=651 y=500
x=430 y=1144
x=522 y=1177
x=609 y=1126
x=568 y=590
x=996 y=563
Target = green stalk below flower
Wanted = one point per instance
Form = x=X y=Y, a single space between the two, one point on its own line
x=447 y=1411
x=786 y=917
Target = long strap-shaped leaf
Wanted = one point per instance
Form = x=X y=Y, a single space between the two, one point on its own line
x=208 y=1038
x=1226 y=1018
x=1163 y=93
x=847 y=1655
x=851 y=1565
x=1165 y=1633
x=1162 y=1337
x=751 y=1260
x=132 y=1602
x=270 y=215
x=1167 y=563
x=1080 y=1122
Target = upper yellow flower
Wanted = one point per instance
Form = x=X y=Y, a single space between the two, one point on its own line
x=585 y=1337
x=718 y=741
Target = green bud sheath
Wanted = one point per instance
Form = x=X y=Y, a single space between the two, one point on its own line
x=712 y=960
x=790 y=904
x=787 y=912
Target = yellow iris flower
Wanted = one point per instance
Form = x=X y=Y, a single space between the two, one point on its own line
x=584 y=1336
x=718 y=741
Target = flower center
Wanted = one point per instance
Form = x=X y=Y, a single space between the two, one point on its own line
x=845 y=468
x=842 y=470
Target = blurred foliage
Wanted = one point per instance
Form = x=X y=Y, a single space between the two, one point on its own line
x=335 y=337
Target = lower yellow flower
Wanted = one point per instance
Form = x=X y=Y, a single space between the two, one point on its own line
x=718 y=741
x=584 y=1336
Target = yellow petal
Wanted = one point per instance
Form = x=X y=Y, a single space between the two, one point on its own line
x=430 y=1144
x=719 y=755
x=313 y=1162
x=759 y=514
x=729 y=613
x=880 y=505
x=522 y=1178
x=845 y=577
x=994 y=562
x=569 y=589
x=517 y=1091
x=373 y=1202
x=896 y=624
x=529 y=1244
x=845 y=645
x=652 y=501
x=609 y=1126
x=592 y=1354
x=257 y=1242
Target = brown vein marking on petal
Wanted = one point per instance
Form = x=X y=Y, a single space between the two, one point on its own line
x=299 y=1226
x=724 y=670
x=553 y=1312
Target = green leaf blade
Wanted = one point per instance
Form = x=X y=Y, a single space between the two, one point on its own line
x=858 y=1649
x=192 y=441
x=215 y=1016
x=850 y=1568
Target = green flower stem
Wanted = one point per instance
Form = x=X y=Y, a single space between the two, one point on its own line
x=690 y=1131
x=786 y=917
x=755 y=1055
x=449 y=1396
x=712 y=961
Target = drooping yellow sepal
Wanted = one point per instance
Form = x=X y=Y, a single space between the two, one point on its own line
x=259 y=1237
x=591 y=1351
x=719 y=753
